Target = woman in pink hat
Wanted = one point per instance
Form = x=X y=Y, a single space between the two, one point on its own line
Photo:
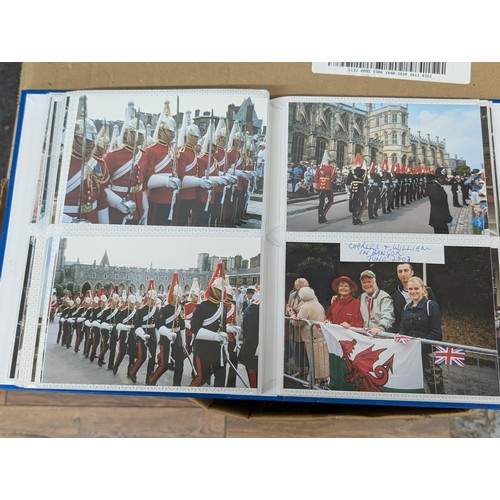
x=345 y=308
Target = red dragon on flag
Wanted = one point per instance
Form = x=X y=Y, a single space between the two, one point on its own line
x=362 y=367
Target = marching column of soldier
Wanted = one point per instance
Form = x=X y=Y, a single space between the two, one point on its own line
x=161 y=331
x=371 y=189
x=174 y=177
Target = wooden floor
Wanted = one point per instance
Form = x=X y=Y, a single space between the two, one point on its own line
x=65 y=415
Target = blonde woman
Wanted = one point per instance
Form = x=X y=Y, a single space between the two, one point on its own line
x=422 y=318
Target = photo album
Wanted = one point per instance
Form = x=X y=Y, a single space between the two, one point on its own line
x=221 y=243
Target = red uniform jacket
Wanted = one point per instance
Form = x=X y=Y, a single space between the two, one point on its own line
x=159 y=162
x=325 y=175
x=187 y=165
x=220 y=156
x=93 y=197
x=121 y=175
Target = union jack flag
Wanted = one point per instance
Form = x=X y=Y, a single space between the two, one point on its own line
x=449 y=356
x=402 y=339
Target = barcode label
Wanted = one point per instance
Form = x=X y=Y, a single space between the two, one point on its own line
x=444 y=72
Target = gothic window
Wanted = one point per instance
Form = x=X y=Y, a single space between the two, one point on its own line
x=297 y=148
x=341 y=159
x=386 y=139
x=320 y=149
x=403 y=139
x=394 y=118
x=394 y=139
x=377 y=121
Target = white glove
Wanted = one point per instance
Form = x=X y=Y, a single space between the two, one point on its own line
x=232 y=179
x=71 y=320
x=166 y=332
x=123 y=328
x=80 y=320
x=222 y=337
x=115 y=201
x=105 y=326
x=96 y=324
x=174 y=183
x=246 y=174
x=88 y=323
x=204 y=334
x=62 y=320
x=187 y=323
x=142 y=334
x=223 y=179
x=233 y=328
x=206 y=183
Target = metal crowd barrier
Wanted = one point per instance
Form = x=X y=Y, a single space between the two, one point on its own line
x=478 y=377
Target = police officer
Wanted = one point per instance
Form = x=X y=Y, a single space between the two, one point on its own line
x=440 y=215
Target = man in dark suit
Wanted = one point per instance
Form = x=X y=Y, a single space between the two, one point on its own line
x=440 y=215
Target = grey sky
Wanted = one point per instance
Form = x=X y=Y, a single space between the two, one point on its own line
x=111 y=106
x=163 y=252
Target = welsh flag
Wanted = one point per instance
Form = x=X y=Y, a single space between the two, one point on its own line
x=360 y=363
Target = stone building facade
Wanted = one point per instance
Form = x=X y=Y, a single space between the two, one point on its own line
x=377 y=133
x=79 y=277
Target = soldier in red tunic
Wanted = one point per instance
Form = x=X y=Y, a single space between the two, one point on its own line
x=189 y=306
x=172 y=335
x=187 y=165
x=126 y=196
x=235 y=167
x=325 y=175
x=208 y=204
x=223 y=189
x=163 y=186
x=232 y=330
x=85 y=200
x=245 y=179
x=209 y=327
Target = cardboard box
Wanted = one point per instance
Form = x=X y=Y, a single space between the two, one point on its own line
x=280 y=79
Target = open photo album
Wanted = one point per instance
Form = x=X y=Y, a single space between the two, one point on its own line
x=219 y=243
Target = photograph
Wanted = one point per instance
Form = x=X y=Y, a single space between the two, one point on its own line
x=167 y=158
x=390 y=317
x=388 y=167
x=127 y=311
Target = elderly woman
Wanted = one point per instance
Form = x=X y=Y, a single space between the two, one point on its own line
x=312 y=336
x=294 y=347
x=422 y=318
x=345 y=308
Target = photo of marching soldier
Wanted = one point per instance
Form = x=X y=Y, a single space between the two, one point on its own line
x=124 y=321
x=155 y=162
x=389 y=167
x=393 y=325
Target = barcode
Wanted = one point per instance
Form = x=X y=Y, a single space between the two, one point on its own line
x=431 y=68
